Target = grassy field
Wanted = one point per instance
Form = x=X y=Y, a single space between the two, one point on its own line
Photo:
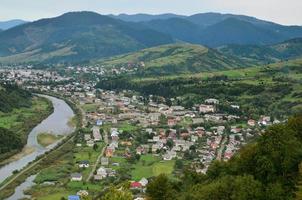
x=90 y=107
x=87 y=153
x=150 y=166
x=46 y=139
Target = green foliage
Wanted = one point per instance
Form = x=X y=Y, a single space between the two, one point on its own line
x=160 y=188
x=117 y=194
x=9 y=141
x=227 y=188
x=12 y=97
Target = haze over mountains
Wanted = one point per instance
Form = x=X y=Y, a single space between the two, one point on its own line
x=85 y=36
x=4 y=25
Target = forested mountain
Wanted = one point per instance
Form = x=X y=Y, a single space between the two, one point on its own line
x=267 y=53
x=179 y=28
x=174 y=59
x=4 y=25
x=75 y=37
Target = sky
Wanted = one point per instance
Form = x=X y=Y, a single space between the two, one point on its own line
x=288 y=12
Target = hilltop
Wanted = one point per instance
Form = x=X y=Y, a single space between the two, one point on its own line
x=174 y=59
x=75 y=37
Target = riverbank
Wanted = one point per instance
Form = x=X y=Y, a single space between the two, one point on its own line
x=22 y=121
x=62 y=148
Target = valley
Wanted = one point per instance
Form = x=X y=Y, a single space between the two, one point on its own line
x=160 y=107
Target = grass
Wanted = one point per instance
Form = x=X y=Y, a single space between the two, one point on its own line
x=128 y=127
x=90 y=107
x=46 y=139
x=87 y=153
x=150 y=166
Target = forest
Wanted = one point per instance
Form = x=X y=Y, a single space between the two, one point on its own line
x=20 y=111
x=11 y=96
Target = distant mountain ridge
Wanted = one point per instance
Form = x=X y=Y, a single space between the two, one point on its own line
x=4 y=25
x=145 y=17
x=215 y=29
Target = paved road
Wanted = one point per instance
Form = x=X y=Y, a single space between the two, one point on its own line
x=99 y=157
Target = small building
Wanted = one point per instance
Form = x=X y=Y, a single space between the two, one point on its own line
x=96 y=134
x=171 y=122
x=144 y=182
x=251 y=122
x=104 y=161
x=74 y=197
x=136 y=185
x=84 y=164
x=90 y=143
x=212 y=101
x=76 y=177
x=206 y=108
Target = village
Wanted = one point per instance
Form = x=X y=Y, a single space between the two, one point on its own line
x=130 y=137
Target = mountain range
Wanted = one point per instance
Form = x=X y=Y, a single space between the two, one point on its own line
x=4 y=25
x=76 y=36
x=84 y=36
x=214 y=29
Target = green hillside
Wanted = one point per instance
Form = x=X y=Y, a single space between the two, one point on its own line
x=273 y=89
x=267 y=53
x=174 y=59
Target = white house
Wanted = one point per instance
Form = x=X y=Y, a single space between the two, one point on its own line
x=76 y=177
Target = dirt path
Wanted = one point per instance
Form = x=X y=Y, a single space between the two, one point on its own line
x=99 y=157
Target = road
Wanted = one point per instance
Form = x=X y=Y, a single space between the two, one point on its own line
x=99 y=157
x=222 y=146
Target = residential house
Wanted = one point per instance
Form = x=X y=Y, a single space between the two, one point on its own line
x=74 y=197
x=212 y=101
x=144 y=182
x=104 y=161
x=96 y=133
x=84 y=164
x=76 y=177
x=206 y=108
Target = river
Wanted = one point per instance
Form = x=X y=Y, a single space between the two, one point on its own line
x=57 y=123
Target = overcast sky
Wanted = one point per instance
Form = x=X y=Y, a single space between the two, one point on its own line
x=280 y=11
